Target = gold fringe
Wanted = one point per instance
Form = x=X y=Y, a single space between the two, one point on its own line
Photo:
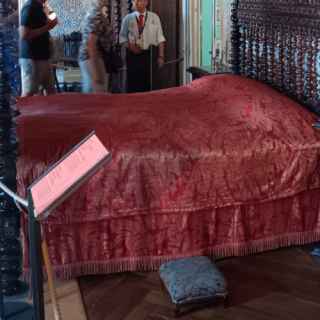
x=68 y=272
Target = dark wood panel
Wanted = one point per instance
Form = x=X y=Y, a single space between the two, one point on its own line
x=169 y=12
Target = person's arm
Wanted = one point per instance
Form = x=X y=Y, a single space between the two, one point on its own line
x=161 y=40
x=93 y=56
x=134 y=48
x=161 y=58
x=27 y=33
x=91 y=28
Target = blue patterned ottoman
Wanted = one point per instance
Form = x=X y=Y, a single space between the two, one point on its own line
x=193 y=281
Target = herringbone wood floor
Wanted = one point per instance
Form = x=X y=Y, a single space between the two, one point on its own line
x=278 y=285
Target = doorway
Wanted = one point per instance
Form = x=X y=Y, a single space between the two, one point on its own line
x=207 y=25
x=170 y=15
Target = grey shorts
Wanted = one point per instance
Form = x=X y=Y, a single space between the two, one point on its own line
x=36 y=75
x=87 y=71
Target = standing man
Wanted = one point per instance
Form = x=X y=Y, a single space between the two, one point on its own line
x=97 y=39
x=140 y=30
x=36 y=70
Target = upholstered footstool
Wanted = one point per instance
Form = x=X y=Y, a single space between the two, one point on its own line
x=193 y=283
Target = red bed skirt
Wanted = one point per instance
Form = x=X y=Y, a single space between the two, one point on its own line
x=110 y=246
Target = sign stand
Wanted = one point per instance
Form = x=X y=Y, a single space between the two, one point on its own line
x=44 y=195
x=35 y=261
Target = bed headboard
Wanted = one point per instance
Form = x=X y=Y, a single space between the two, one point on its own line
x=278 y=42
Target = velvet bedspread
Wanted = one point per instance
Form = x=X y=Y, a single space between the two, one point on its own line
x=223 y=166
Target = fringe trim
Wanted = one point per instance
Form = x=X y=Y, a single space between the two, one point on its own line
x=71 y=271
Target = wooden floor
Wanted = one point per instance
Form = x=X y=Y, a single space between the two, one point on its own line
x=278 y=285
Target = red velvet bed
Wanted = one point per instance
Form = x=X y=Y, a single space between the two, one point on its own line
x=223 y=166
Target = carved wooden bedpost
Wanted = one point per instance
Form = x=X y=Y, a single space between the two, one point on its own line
x=235 y=39
x=278 y=42
x=10 y=246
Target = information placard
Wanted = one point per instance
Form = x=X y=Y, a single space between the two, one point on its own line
x=64 y=177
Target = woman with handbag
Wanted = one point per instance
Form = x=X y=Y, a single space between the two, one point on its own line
x=97 y=41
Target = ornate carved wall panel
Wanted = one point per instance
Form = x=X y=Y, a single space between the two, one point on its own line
x=72 y=12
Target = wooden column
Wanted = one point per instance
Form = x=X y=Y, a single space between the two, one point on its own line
x=10 y=246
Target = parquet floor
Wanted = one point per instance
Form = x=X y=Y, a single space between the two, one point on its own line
x=278 y=285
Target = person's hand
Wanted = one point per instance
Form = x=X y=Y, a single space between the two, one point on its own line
x=160 y=62
x=134 y=48
x=97 y=80
x=52 y=23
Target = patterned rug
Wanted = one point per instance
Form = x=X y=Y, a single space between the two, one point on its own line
x=69 y=300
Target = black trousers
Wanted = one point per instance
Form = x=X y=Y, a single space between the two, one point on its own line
x=139 y=71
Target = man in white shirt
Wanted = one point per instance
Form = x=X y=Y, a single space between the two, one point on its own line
x=140 y=31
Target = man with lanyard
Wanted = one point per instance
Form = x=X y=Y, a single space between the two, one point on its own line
x=36 y=70
x=140 y=30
